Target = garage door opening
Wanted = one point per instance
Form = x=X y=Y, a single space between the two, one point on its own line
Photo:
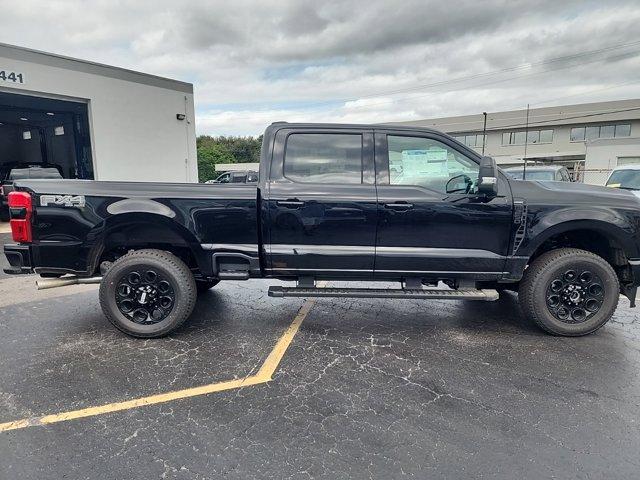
x=42 y=132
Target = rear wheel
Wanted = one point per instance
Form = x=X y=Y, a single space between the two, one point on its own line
x=148 y=293
x=569 y=292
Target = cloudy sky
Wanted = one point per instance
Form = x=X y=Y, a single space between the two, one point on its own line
x=255 y=62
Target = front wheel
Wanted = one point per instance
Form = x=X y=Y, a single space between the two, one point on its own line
x=148 y=293
x=569 y=292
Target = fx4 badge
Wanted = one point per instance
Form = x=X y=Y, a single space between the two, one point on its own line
x=62 y=200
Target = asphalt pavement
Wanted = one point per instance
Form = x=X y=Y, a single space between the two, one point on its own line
x=364 y=389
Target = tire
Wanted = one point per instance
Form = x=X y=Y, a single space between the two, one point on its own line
x=569 y=292
x=205 y=285
x=164 y=289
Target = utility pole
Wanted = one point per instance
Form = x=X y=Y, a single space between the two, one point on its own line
x=526 y=138
x=484 y=131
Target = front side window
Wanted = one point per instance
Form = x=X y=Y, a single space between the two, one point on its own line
x=324 y=158
x=625 y=179
x=431 y=164
x=224 y=178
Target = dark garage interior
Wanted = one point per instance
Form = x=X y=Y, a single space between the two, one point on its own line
x=36 y=131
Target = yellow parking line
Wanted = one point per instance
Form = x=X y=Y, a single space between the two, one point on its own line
x=270 y=365
x=264 y=375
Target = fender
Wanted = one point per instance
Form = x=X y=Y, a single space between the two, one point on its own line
x=176 y=233
x=610 y=223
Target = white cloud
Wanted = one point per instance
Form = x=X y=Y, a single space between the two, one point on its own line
x=254 y=62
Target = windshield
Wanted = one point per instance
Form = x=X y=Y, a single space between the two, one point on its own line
x=532 y=174
x=627 y=179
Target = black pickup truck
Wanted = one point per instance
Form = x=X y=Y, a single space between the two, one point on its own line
x=337 y=202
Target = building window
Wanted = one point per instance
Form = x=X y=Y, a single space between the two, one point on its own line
x=531 y=137
x=607 y=131
x=593 y=132
x=471 y=140
x=623 y=130
x=577 y=134
x=546 y=136
x=628 y=161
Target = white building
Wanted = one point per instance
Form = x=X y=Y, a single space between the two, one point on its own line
x=590 y=138
x=93 y=120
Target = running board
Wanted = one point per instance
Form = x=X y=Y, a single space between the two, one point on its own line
x=234 y=275
x=421 y=293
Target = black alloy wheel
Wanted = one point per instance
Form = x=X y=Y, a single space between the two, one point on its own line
x=575 y=295
x=145 y=296
x=569 y=291
x=148 y=293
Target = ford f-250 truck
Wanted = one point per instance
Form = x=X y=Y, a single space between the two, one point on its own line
x=337 y=202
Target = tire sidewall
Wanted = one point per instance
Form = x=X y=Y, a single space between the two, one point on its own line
x=576 y=262
x=181 y=307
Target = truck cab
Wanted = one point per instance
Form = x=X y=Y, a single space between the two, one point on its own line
x=335 y=208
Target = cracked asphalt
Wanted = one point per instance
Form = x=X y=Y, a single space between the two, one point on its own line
x=368 y=389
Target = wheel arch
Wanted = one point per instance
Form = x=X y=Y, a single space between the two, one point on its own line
x=609 y=241
x=137 y=230
x=590 y=233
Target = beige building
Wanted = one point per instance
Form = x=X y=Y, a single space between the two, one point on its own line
x=94 y=121
x=589 y=138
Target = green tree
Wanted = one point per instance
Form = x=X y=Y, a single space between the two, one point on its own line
x=211 y=153
x=215 y=150
x=243 y=149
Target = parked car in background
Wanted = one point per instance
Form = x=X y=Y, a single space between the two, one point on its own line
x=555 y=173
x=246 y=176
x=626 y=177
x=13 y=171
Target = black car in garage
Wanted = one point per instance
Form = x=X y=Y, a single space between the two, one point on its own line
x=13 y=171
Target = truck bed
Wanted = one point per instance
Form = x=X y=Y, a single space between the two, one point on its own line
x=209 y=218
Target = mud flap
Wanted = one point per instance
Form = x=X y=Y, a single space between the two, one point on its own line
x=630 y=293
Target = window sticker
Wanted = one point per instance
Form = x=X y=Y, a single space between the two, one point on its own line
x=431 y=162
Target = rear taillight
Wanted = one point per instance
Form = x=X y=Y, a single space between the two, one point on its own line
x=21 y=209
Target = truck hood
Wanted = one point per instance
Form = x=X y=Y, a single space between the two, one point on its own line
x=568 y=193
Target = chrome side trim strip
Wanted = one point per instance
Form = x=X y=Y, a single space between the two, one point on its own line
x=230 y=246
x=426 y=252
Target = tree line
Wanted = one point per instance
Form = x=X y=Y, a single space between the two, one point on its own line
x=221 y=149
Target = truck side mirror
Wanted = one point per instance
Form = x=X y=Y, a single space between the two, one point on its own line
x=488 y=177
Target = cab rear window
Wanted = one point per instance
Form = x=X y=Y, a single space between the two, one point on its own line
x=324 y=158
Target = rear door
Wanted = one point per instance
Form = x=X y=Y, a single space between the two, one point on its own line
x=431 y=221
x=321 y=203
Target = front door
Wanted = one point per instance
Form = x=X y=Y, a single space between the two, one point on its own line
x=431 y=219
x=322 y=204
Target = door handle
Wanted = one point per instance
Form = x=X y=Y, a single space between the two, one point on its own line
x=399 y=206
x=290 y=203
